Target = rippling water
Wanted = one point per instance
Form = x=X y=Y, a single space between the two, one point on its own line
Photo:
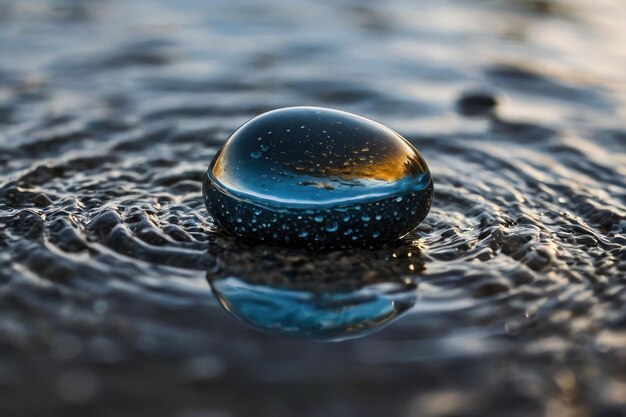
x=111 y=111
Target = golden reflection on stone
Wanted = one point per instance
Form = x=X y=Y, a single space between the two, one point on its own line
x=392 y=167
x=218 y=167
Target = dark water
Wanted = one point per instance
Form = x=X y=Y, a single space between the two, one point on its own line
x=111 y=111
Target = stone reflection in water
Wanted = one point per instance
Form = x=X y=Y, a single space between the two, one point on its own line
x=320 y=295
x=311 y=176
x=311 y=315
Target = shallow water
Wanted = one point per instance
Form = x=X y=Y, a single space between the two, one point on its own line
x=111 y=111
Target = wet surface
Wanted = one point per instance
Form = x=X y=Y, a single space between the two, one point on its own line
x=111 y=111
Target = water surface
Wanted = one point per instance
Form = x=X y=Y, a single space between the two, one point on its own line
x=111 y=111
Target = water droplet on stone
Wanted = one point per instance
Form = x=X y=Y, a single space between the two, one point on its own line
x=323 y=179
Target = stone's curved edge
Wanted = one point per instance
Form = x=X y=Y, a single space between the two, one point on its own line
x=358 y=224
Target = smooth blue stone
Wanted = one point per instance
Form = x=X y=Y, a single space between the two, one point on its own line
x=322 y=316
x=310 y=176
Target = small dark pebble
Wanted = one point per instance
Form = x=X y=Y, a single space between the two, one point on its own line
x=477 y=103
x=42 y=200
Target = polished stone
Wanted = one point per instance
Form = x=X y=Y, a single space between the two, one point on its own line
x=311 y=176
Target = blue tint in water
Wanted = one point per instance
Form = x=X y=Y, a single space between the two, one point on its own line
x=324 y=316
x=312 y=174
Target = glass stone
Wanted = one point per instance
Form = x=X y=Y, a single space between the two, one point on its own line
x=311 y=176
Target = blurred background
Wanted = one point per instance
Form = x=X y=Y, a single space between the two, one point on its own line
x=110 y=112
